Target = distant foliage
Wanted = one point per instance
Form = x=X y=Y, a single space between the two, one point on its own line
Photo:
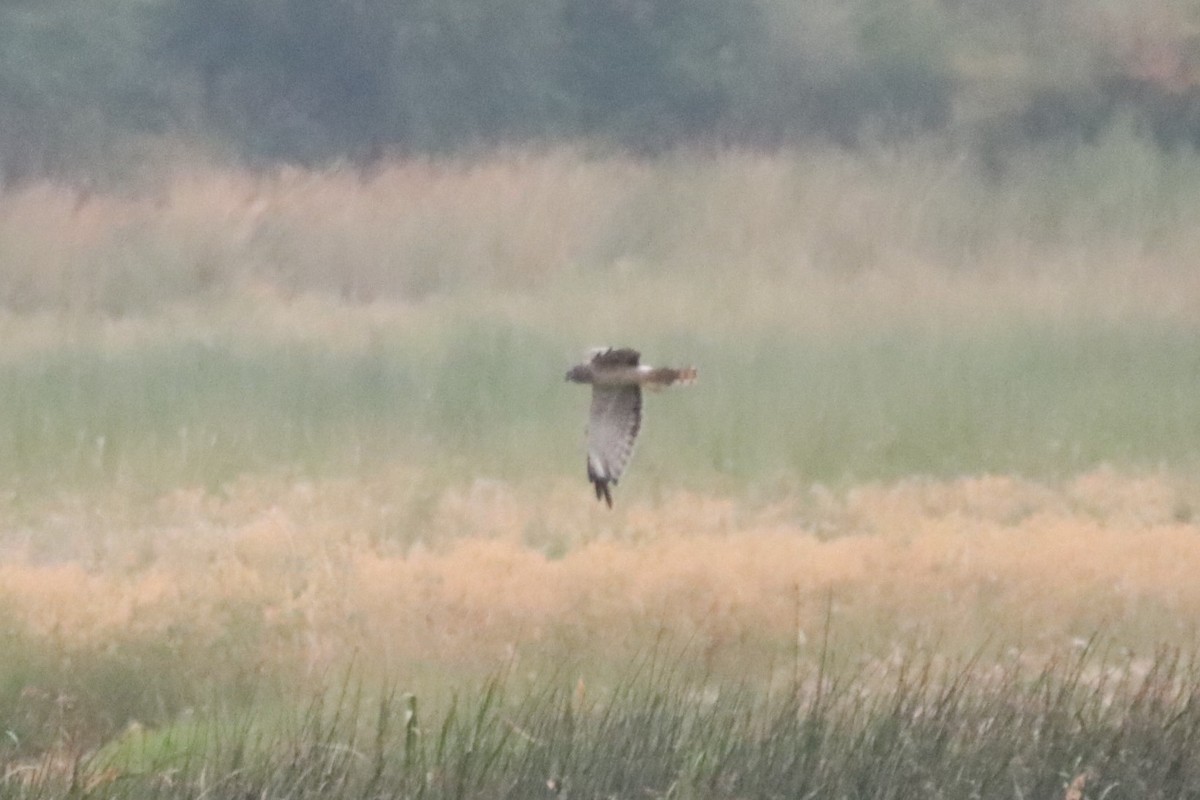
x=312 y=81
x=650 y=72
x=73 y=80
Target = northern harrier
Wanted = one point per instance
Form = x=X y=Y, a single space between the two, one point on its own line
x=616 y=417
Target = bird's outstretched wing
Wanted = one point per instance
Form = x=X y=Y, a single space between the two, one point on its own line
x=613 y=426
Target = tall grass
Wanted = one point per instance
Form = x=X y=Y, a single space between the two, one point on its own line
x=488 y=400
x=524 y=221
x=923 y=729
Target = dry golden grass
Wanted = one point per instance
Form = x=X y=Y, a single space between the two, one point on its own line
x=828 y=238
x=329 y=570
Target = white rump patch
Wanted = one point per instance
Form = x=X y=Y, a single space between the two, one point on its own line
x=597 y=467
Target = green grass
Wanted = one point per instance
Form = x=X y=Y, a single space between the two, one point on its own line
x=54 y=692
x=1034 y=398
x=180 y=412
x=917 y=729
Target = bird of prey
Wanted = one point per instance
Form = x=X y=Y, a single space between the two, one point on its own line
x=616 y=416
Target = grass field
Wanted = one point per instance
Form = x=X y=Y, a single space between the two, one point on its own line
x=925 y=527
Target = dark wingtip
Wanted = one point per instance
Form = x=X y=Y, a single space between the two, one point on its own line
x=603 y=492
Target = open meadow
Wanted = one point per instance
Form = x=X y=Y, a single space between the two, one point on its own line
x=292 y=492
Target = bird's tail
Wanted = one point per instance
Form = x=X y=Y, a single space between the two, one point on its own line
x=686 y=376
x=666 y=376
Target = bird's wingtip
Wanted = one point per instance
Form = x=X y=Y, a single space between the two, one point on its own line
x=603 y=492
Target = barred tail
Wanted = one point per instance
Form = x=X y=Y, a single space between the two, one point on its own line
x=685 y=376
x=665 y=376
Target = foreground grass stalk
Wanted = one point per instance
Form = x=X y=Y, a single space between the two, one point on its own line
x=918 y=729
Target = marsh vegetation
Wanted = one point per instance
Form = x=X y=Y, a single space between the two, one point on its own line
x=292 y=498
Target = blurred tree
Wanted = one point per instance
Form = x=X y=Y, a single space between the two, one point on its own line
x=310 y=79
x=906 y=81
x=471 y=71
x=842 y=70
x=73 y=79
x=313 y=80
x=653 y=71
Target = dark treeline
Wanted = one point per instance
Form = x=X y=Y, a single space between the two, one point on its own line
x=89 y=82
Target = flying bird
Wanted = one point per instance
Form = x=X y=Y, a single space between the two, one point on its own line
x=616 y=416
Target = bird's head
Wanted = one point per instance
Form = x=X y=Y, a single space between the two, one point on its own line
x=580 y=373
